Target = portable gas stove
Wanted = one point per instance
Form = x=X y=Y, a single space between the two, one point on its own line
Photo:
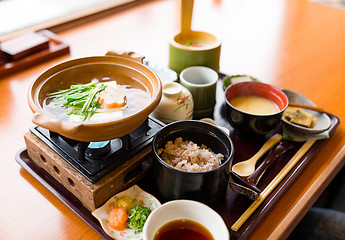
x=95 y=171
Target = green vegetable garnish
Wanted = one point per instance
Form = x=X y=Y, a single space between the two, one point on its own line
x=137 y=217
x=190 y=43
x=79 y=99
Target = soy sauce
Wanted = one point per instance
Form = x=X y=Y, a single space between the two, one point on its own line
x=183 y=229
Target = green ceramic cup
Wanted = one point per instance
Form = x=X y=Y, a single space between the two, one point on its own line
x=202 y=83
x=194 y=49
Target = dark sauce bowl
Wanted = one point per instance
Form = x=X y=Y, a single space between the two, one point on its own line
x=255 y=124
x=207 y=187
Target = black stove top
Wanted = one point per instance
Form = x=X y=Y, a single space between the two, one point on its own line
x=95 y=160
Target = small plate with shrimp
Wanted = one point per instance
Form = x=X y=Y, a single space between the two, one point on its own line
x=124 y=214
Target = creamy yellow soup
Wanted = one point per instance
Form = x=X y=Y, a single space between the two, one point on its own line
x=254 y=105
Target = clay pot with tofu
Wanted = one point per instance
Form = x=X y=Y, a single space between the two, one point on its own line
x=129 y=74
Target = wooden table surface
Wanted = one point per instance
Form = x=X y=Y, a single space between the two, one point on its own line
x=294 y=44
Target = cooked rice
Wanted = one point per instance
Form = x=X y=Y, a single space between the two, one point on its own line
x=188 y=156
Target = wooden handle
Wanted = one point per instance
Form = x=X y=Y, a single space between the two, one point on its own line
x=131 y=55
x=186 y=11
x=298 y=155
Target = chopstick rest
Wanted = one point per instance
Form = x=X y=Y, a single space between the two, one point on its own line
x=277 y=179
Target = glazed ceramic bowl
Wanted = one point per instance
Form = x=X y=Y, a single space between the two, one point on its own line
x=186 y=209
x=255 y=124
x=125 y=68
x=323 y=121
x=208 y=186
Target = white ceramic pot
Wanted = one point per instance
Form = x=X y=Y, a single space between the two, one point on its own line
x=176 y=104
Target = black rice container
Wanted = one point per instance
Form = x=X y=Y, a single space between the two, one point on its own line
x=208 y=187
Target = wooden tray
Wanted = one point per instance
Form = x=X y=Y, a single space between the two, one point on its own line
x=56 y=48
x=233 y=206
x=231 y=209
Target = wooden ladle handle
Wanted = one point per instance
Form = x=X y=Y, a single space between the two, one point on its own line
x=186 y=11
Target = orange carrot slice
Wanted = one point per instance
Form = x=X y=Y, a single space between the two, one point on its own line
x=112 y=98
x=118 y=218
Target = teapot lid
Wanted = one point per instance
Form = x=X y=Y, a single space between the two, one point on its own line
x=172 y=89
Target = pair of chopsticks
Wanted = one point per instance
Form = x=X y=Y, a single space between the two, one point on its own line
x=318 y=109
x=287 y=168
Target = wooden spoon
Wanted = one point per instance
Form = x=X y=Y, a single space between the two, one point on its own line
x=186 y=11
x=245 y=168
x=247 y=186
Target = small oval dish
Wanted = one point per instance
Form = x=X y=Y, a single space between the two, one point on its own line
x=323 y=120
x=134 y=192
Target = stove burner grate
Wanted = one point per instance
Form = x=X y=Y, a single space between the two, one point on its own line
x=94 y=162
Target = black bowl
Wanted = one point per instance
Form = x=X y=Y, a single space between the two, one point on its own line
x=255 y=124
x=207 y=187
